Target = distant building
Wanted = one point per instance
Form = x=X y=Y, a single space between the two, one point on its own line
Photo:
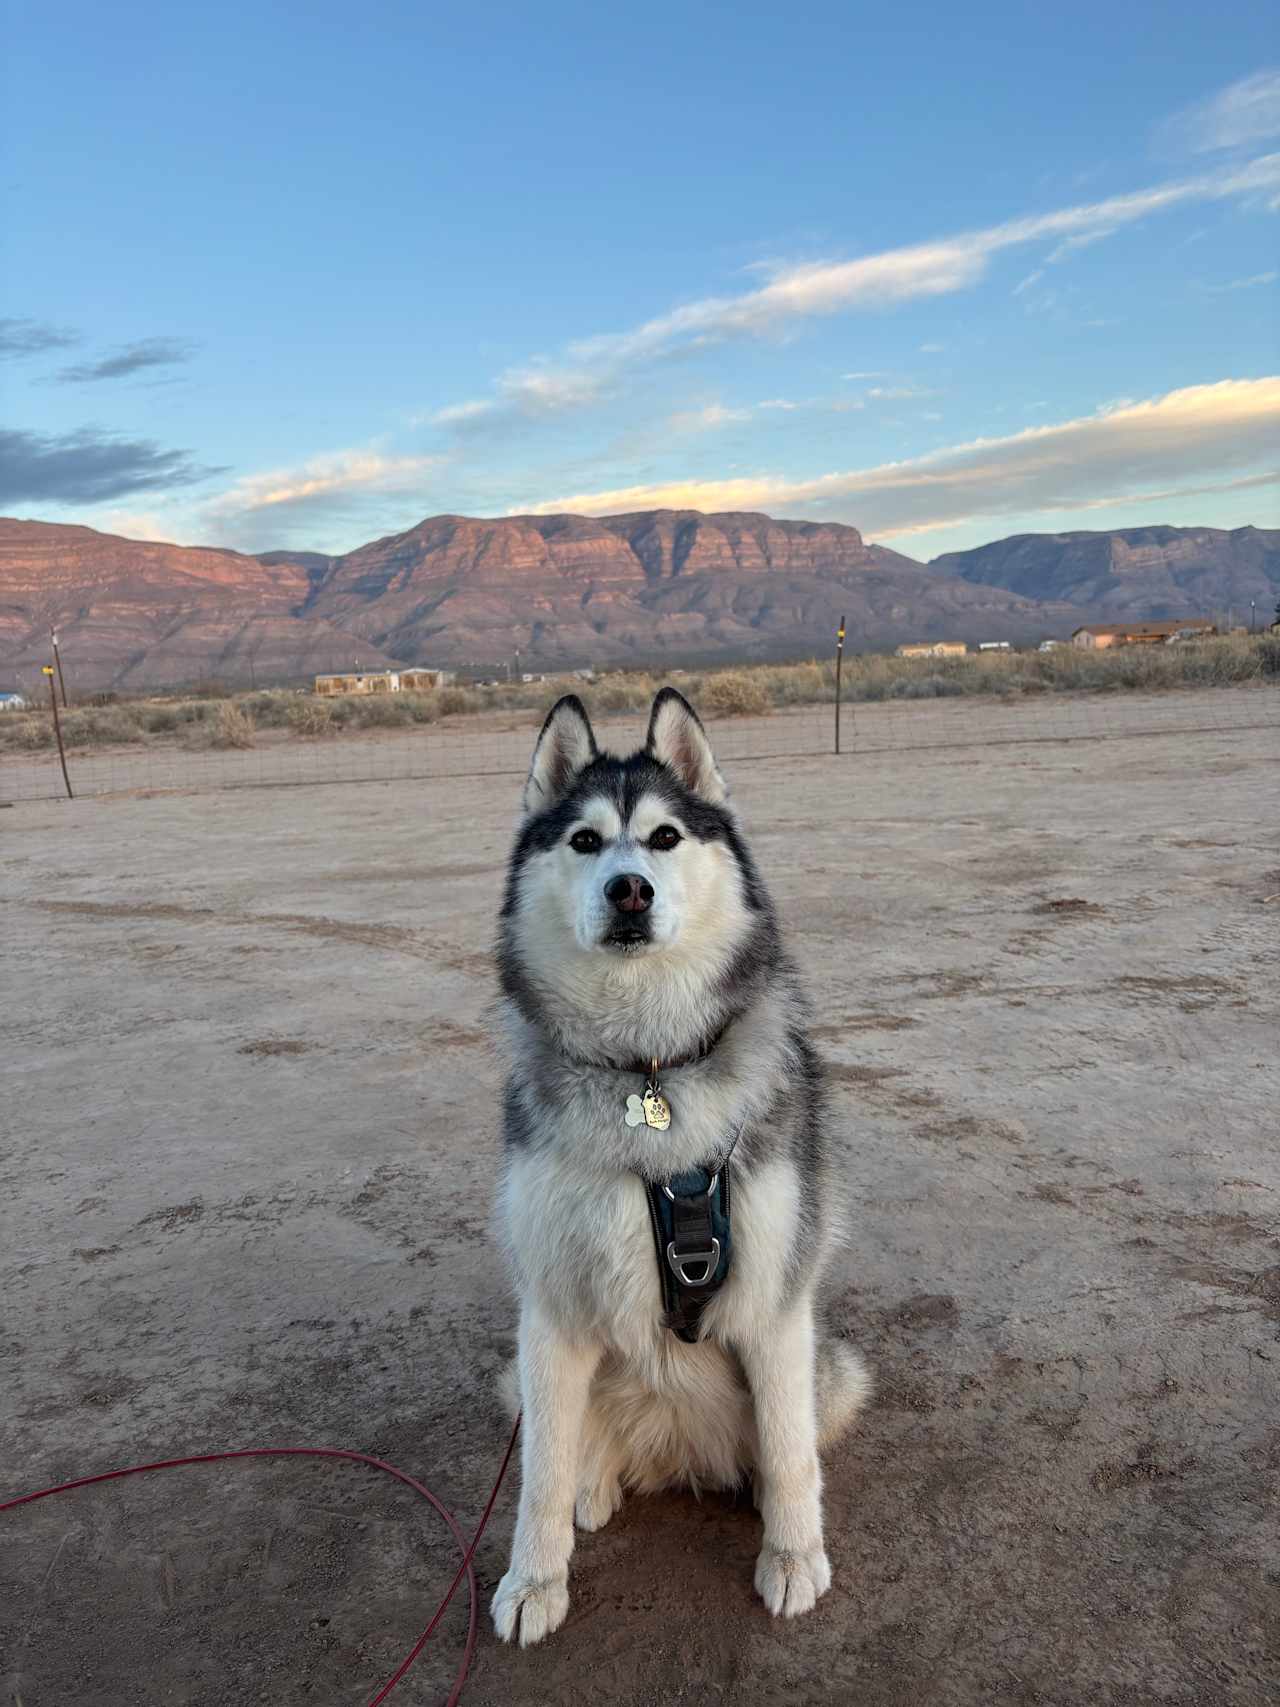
x=994 y=646
x=12 y=702
x=933 y=649
x=425 y=681
x=1100 y=637
x=1050 y=645
x=367 y=681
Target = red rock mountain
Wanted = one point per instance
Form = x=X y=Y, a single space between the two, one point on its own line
x=663 y=586
x=137 y=614
x=671 y=585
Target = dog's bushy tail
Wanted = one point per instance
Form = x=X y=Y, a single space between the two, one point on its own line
x=843 y=1386
x=509 y=1387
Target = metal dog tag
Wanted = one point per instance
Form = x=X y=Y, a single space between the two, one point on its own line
x=652 y=1109
x=657 y=1110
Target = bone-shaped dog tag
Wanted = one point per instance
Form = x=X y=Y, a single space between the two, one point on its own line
x=635 y=1111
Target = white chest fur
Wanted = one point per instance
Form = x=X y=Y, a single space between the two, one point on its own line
x=582 y=1244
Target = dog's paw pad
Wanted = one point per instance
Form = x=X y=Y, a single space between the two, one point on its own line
x=597 y=1505
x=790 y=1583
x=527 y=1611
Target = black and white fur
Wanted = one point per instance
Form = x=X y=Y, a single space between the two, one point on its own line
x=612 y=1399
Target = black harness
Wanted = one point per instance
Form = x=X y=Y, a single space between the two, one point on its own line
x=694 y=1239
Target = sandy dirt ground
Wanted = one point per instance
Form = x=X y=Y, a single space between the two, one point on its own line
x=248 y=1143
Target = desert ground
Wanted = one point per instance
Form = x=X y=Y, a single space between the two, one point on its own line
x=248 y=1146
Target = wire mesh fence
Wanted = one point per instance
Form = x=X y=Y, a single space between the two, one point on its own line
x=499 y=743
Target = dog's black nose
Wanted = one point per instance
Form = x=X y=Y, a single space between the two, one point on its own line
x=629 y=892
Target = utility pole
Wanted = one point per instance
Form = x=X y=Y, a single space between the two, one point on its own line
x=57 y=658
x=47 y=671
x=839 y=663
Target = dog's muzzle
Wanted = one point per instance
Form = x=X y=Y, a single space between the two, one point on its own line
x=631 y=896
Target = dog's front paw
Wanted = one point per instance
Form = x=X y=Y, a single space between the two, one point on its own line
x=528 y=1611
x=790 y=1583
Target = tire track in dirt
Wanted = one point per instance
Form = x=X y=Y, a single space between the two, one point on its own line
x=396 y=939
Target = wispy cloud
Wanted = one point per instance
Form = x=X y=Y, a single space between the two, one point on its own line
x=533 y=392
x=1121 y=453
x=88 y=467
x=778 y=403
x=1082 y=240
x=591 y=368
x=455 y=415
x=339 y=474
x=897 y=393
x=703 y=420
x=33 y=338
x=1251 y=283
x=932 y=349
x=1241 y=115
x=130 y=359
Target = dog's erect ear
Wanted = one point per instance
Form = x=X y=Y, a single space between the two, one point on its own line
x=676 y=738
x=564 y=747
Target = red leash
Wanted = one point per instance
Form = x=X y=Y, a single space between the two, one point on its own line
x=468 y=1552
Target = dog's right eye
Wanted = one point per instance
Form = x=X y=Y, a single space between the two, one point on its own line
x=585 y=841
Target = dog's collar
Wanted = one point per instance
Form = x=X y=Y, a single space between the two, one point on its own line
x=649 y=1065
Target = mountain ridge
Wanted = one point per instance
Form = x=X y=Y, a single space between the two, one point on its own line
x=646 y=587
x=1156 y=571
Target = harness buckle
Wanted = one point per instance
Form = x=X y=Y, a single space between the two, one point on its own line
x=710 y=1261
x=715 y=1180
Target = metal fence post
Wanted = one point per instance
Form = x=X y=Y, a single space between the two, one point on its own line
x=46 y=670
x=839 y=662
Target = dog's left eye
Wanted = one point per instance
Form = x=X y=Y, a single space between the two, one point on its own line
x=585 y=841
x=664 y=837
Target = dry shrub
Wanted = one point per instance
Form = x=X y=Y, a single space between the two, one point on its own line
x=231 y=727
x=798 y=684
x=311 y=718
x=423 y=707
x=381 y=711
x=452 y=701
x=268 y=710
x=25 y=731
x=735 y=693
x=101 y=726
x=624 y=691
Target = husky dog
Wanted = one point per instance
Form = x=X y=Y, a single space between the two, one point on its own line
x=638 y=940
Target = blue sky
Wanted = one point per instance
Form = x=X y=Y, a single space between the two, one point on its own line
x=281 y=275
